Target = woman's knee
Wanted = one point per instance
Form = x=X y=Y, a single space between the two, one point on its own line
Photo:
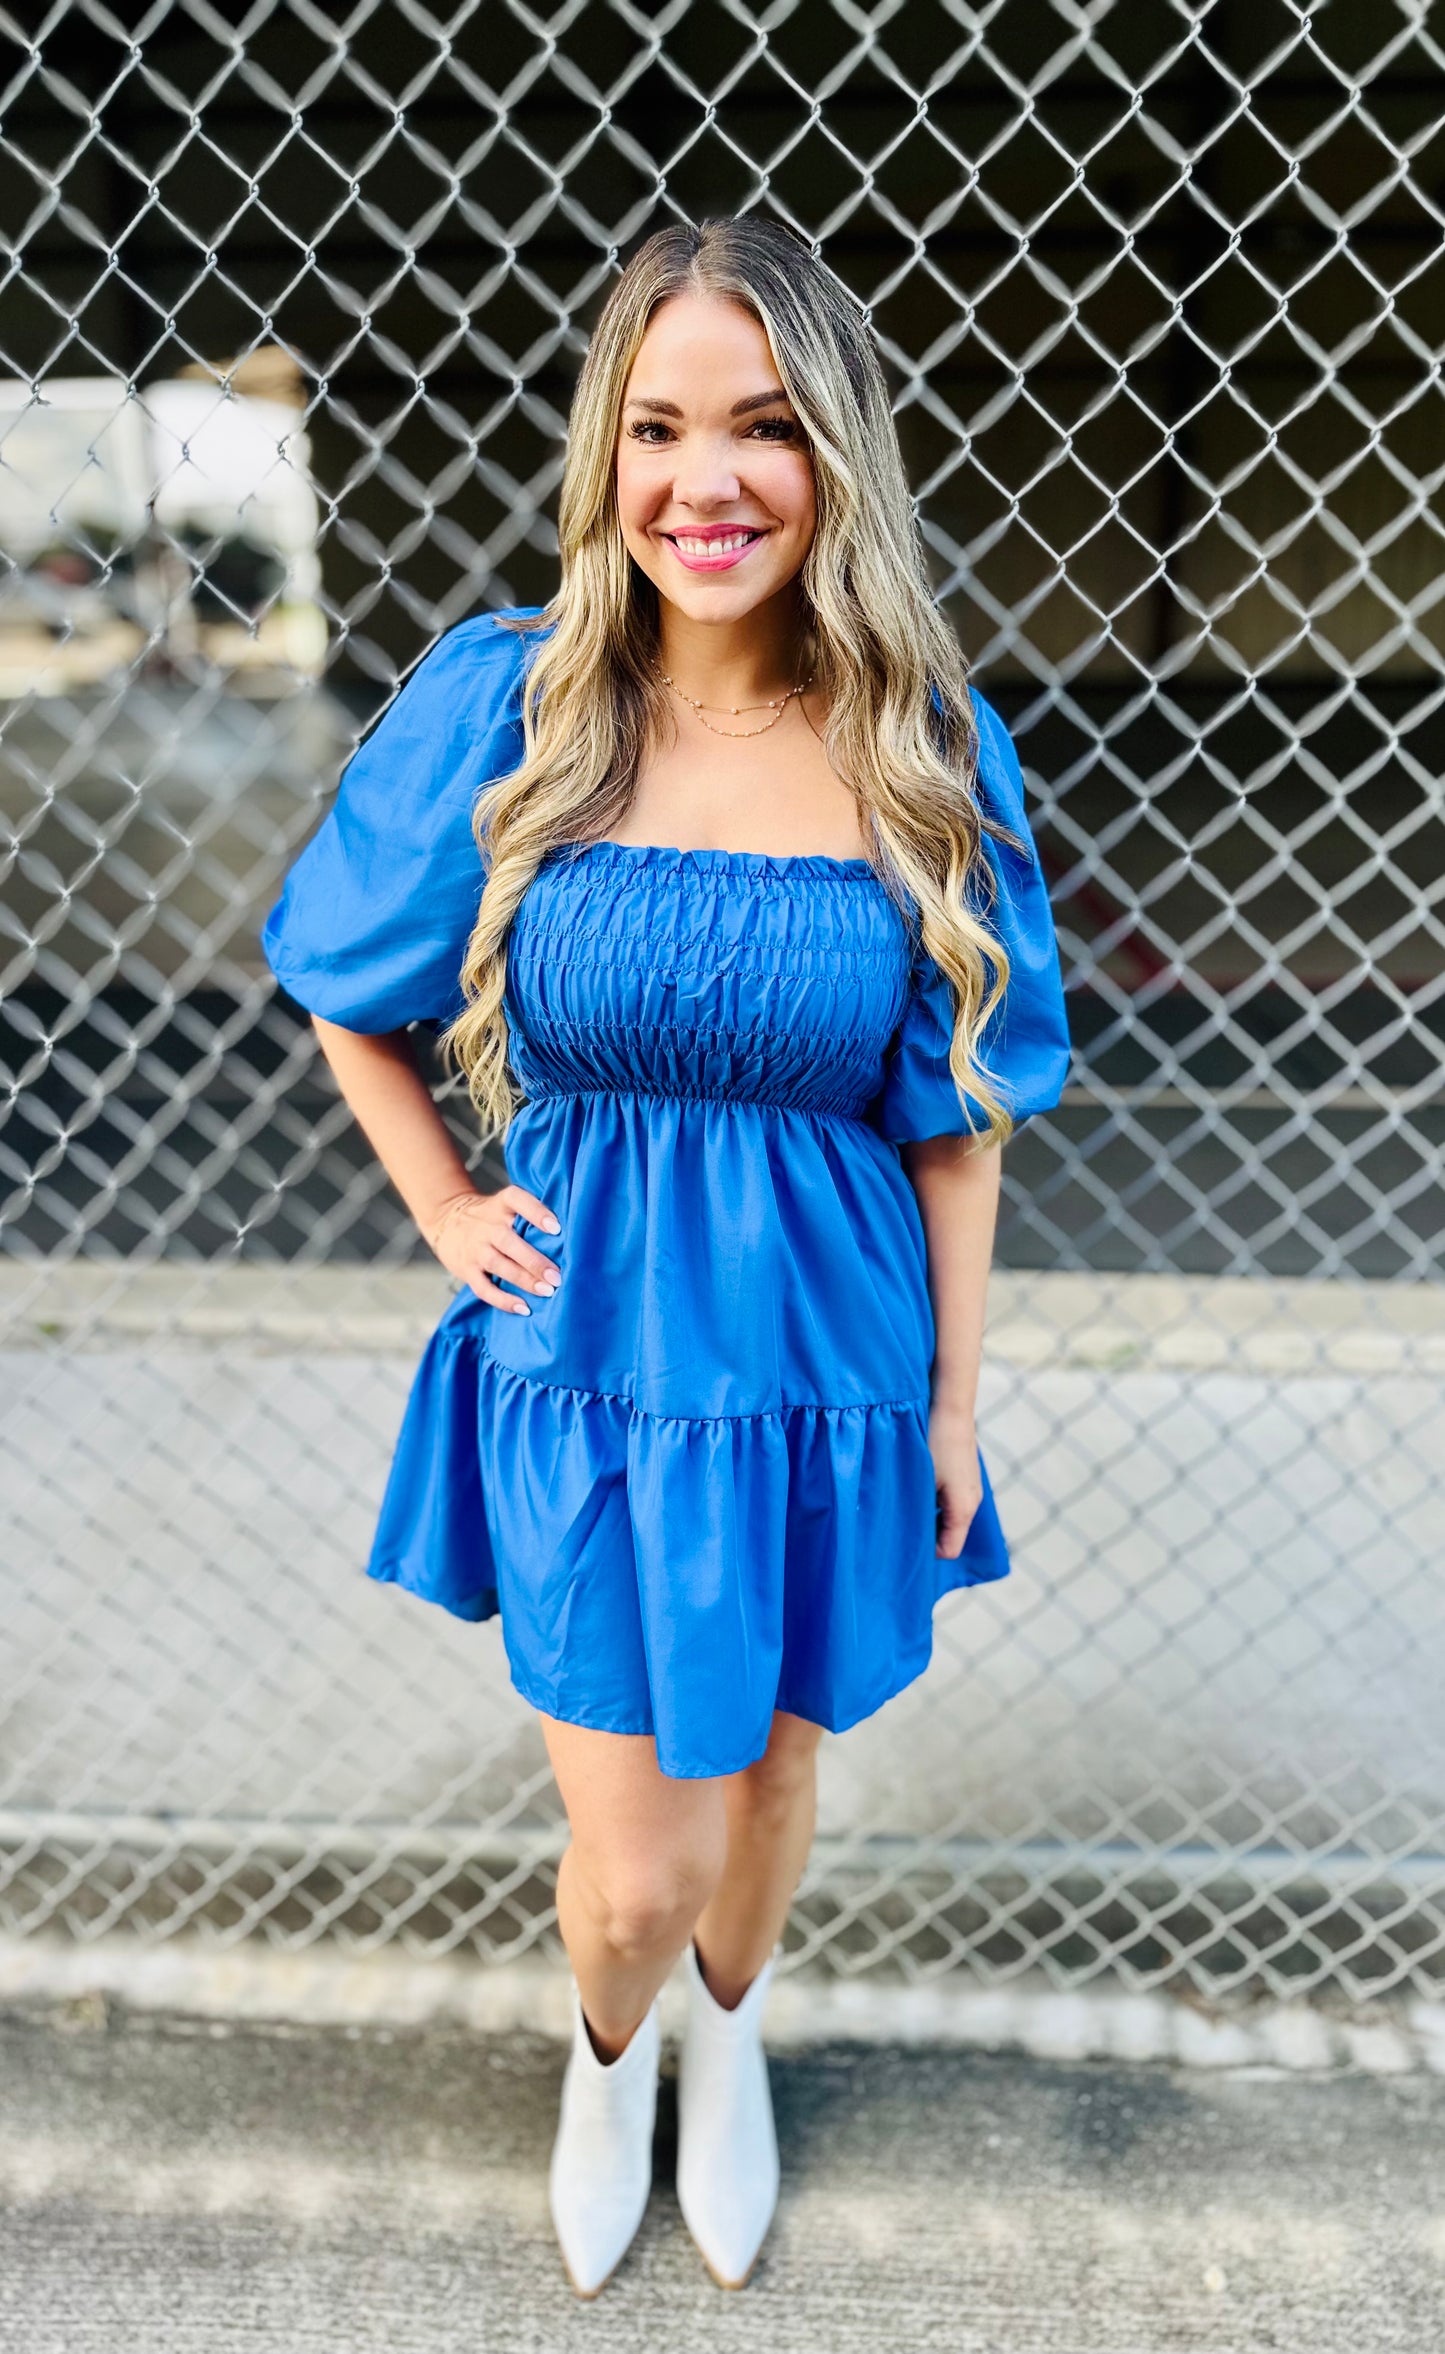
x=646 y=1903
x=647 y=1850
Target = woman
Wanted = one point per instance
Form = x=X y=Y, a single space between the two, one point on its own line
x=766 y=958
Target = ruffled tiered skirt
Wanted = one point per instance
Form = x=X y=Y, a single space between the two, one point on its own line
x=695 y=1483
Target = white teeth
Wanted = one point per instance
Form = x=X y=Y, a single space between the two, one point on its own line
x=712 y=547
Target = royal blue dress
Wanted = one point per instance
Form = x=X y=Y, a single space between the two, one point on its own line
x=696 y=1482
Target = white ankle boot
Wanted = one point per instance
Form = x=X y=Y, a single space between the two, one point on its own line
x=727 y=2144
x=601 y=2169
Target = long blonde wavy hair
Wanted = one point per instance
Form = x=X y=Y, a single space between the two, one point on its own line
x=899 y=725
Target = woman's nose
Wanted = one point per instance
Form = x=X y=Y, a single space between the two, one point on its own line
x=705 y=476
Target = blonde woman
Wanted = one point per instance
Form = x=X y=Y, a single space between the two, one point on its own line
x=717 y=880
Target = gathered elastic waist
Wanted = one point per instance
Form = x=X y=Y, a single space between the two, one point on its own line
x=740 y=1103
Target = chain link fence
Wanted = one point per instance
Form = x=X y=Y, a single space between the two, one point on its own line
x=292 y=308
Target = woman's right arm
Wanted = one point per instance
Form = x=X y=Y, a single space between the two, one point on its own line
x=470 y=1232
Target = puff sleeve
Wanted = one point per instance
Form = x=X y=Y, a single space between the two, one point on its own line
x=1025 y=1041
x=375 y=914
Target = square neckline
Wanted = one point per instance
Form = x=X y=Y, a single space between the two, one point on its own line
x=820 y=862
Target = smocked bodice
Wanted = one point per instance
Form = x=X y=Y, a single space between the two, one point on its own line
x=713 y=974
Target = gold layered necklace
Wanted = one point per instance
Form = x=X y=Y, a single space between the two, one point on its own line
x=778 y=704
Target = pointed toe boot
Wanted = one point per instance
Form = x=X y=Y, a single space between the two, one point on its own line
x=601 y=2167
x=727 y=2144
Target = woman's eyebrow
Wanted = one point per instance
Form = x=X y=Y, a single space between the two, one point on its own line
x=742 y=408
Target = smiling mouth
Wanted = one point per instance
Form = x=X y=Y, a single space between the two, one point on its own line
x=724 y=542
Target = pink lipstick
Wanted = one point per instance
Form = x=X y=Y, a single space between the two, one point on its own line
x=713 y=547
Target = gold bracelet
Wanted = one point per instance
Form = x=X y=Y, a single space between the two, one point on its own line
x=459 y=1201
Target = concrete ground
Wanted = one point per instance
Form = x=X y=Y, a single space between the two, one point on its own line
x=183 y=2185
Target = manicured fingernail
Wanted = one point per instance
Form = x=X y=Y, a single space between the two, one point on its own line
x=521 y=1308
x=550 y=1226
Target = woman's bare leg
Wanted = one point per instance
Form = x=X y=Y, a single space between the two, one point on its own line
x=645 y=1854
x=772 y=1810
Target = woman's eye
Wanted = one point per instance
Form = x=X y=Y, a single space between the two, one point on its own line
x=653 y=432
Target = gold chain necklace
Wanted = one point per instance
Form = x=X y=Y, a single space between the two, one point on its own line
x=777 y=704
